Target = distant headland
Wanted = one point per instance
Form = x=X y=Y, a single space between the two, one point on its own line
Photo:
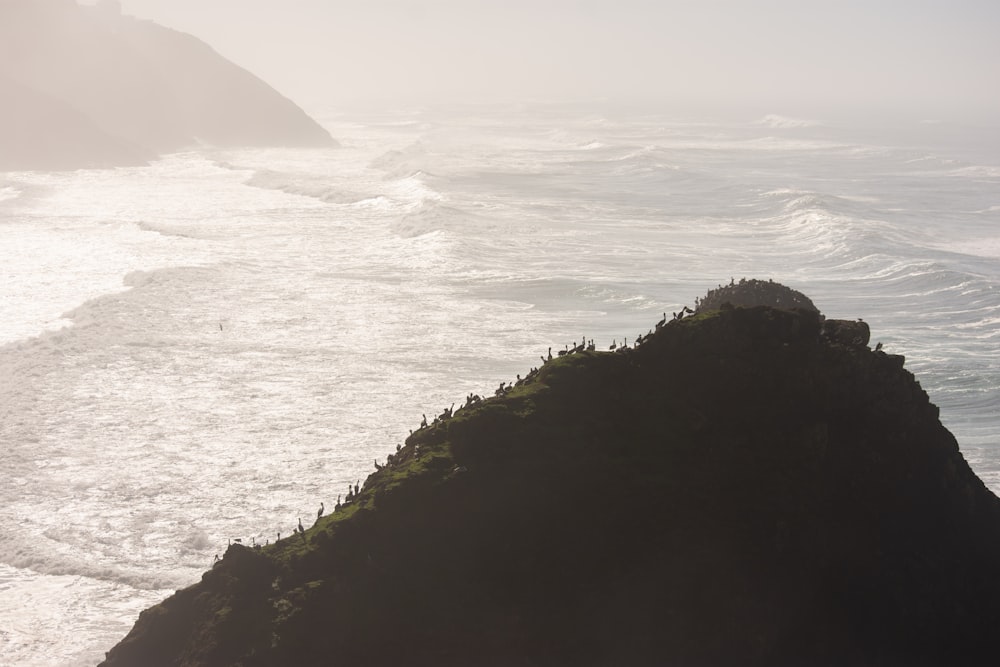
x=748 y=483
x=86 y=86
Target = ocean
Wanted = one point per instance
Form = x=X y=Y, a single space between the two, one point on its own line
x=206 y=348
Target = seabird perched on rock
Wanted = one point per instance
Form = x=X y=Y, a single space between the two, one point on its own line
x=301 y=529
x=322 y=509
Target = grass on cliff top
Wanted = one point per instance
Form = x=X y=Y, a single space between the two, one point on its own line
x=290 y=548
x=435 y=461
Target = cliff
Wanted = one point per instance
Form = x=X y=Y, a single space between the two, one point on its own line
x=41 y=132
x=89 y=87
x=737 y=489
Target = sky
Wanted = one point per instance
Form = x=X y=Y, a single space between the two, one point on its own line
x=919 y=58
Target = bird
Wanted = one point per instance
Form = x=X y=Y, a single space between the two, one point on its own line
x=319 y=512
x=301 y=529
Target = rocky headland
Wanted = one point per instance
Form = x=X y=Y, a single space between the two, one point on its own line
x=746 y=486
x=86 y=86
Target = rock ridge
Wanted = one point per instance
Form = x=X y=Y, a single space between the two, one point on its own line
x=740 y=488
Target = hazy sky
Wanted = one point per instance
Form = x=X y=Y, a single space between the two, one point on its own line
x=924 y=58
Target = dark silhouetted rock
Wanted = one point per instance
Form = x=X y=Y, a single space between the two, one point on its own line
x=737 y=490
x=847 y=332
x=754 y=292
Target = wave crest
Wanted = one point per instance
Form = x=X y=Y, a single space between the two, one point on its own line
x=399 y=163
x=432 y=216
x=785 y=122
x=305 y=185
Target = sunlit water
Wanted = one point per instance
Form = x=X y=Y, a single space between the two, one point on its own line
x=206 y=348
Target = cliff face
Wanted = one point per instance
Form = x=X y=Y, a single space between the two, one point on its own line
x=41 y=132
x=134 y=83
x=738 y=489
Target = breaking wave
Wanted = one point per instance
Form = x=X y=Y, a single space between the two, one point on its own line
x=776 y=121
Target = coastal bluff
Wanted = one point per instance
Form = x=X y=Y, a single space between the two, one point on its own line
x=87 y=86
x=741 y=488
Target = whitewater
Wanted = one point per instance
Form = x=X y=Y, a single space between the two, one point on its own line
x=206 y=348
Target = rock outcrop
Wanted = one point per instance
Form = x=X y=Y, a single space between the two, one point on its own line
x=754 y=292
x=847 y=332
x=86 y=86
x=738 y=489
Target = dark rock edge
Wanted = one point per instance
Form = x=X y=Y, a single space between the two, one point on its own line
x=738 y=489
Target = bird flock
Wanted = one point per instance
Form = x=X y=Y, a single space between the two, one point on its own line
x=353 y=491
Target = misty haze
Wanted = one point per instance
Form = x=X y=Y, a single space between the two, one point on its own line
x=250 y=248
